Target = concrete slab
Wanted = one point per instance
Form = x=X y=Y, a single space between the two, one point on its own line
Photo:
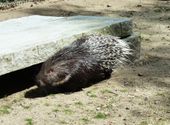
x=31 y=40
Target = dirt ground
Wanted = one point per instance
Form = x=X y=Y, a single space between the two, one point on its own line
x=135 y=95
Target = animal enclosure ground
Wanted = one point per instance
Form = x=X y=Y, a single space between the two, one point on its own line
x=135 y=95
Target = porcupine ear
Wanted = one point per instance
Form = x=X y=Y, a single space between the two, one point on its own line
x=66 y=76
x=62 y=77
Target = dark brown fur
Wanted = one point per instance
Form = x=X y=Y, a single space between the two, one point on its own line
x=79 y=65
x=70 y=75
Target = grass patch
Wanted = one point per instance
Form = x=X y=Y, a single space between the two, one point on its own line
x=163 y=122
x=63 y=122
x=55 y=110
x=109 y=106
x=144 y=123
x=29 y=121
x=4 y=110
x=91 y=94
x=162 y=94
x=123 y=90
x=100 y=116
x=59 y=105
x=68 y=111
x=106 y=91
x=85 y=120
x=79 y=103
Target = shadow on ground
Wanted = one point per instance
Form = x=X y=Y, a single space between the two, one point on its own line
x=147 y=72
x=37 y=93
x=18 y=80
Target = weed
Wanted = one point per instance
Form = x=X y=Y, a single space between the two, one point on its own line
x=5 y=110
x=91 y=94
x=68 y=111
x=85 y=120
x=55 y=110
x=100 y=116
x=123 y=90
x=106 y=91
x=79 y=103
x=143 y=123
x=59 y=105
x=63 y=122
x=29 y=121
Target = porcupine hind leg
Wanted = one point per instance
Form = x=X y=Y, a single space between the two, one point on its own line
x=101 y=75
x=108 y=73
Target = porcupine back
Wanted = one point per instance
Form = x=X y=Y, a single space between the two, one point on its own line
x=109 y=51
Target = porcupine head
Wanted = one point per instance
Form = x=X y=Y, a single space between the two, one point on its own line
x=52 y=75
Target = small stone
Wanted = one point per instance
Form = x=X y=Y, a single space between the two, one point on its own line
x=168 y=112
x=139 y=5
x=98 y=108
x=127 y=108
x=167 y=104
x=160 y=119
x=108 y=5
x=146 y=99
x=106 y=113
x=140 y=74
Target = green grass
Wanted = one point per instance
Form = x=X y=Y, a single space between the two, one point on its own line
x=85 y=120
x=29 y=121
x=79 y=103
x=63 y=122
x=4 y=110
x=159 y=122
x=144 y=123
x=123 y=90
x=91 y=94
x=163 y=94
x=106 y=91
x=55 y=110
x=68 y=111
x=59 y=105
x=100 y=116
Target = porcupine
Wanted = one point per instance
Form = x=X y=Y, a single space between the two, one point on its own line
x=87 y=60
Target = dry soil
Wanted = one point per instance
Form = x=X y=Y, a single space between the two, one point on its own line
x=134 y=95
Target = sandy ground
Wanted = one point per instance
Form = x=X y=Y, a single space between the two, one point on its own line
x=135 y=95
